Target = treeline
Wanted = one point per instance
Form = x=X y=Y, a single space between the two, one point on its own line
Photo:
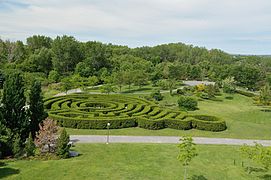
x=51 y=60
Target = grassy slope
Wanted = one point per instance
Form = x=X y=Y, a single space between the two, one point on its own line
x=244 y=120
x=134 y=161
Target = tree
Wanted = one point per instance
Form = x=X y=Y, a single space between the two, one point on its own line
x=17 y=146
x=63 y=145
x=247 y=76
x=140 y=78
x=66 y=54
x=36 y=109
x=119 y=79
x=13 y=105
x=187 y=103
x=265 y=95
x=46 y=138
x=39 y=61
x=97 y=55
x=83 y=69
x=30 y=146
x=53 y=76
x=37 y=42
x=107 y=88
x=5 y=139
x=171 y=83
x=66 y=84
x=259 y=154
x=187 y=151
x=228 y=85
x=92 y=81
x=128 y=78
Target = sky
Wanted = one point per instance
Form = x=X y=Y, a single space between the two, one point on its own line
x=235 y=26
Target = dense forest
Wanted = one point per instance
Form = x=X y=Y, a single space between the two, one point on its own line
x=65 y=59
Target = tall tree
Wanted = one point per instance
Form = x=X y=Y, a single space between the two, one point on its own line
x=66 y=54
x=187 y=151
x=36 y=108
x=37 y=42
x=13 y=105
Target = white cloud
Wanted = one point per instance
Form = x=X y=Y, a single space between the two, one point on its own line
x=211 y=23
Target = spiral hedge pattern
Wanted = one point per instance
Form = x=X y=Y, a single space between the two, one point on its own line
x=86 y=111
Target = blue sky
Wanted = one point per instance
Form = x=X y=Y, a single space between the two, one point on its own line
x=235 y=26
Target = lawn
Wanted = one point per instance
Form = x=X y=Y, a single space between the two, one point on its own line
x=243 y=118
x=135 y=161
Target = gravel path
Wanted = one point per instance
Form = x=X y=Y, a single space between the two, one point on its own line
x=162 y=139
x=188 y=83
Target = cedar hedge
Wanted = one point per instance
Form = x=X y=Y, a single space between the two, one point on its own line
x=84 y=111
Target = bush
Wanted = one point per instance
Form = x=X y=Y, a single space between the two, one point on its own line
x=245 y=93
x=157 y=95
x=63 y=145
x=181 y=91
x=53 y=76
x=187 y=103
x=30 y=146
x=17 y=146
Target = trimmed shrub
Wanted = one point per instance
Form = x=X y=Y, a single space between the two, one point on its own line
x=245 y=93
x=187 y=103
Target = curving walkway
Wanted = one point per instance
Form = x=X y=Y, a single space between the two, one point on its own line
x=162 y=139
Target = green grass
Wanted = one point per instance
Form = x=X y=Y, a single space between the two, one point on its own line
x=244 y=120
x=134 y=161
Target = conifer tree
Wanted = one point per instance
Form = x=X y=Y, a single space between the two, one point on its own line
x=29 y=146
x=13 y=105
x=17 y=146
x=63 y=145
x=36 y=109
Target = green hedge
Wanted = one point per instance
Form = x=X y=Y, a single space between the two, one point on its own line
x=245 y=93
x=94 y=124
x=78 y=111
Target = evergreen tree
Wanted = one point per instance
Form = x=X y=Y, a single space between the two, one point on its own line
x=17 y=146
x=30 y=146
x=13 y=105
x=63 y=145
x=36 y=108
x=5 y=140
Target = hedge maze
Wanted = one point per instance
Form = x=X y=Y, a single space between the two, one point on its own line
x=85 y=111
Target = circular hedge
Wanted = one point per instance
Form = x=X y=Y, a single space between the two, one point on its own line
x=86 y=111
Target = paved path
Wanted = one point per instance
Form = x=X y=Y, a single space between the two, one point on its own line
x=162 y=139
x=188 y=83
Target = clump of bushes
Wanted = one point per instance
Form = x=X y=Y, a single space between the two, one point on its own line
x=157 y=95
x=187 y=103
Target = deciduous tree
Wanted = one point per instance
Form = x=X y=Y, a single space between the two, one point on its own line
x=187 y=151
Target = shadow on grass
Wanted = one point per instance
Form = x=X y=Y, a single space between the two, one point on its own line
x=266 y=177
x=266 y=110
x=6 y=171
x=250 y=169
x=198 y=177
